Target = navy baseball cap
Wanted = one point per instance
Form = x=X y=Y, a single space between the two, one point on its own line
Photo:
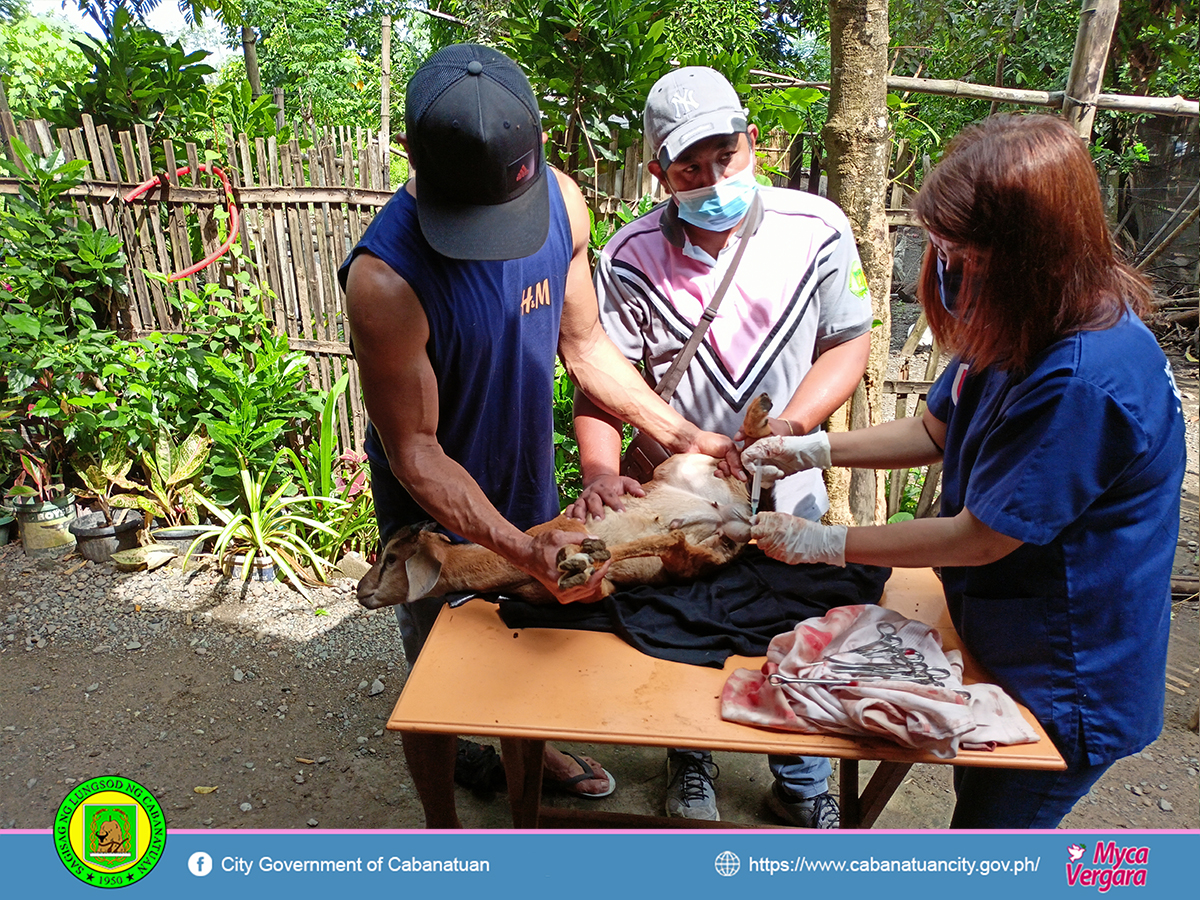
x=475 y=139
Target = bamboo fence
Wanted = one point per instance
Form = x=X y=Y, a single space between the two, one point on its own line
x=301 y=211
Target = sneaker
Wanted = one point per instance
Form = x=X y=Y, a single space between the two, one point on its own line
x=820 y=811
x=690 y=791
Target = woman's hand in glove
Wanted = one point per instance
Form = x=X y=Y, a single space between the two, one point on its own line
x=791 y=539
x=789 y=454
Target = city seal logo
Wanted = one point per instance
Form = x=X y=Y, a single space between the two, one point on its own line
x=110 y=832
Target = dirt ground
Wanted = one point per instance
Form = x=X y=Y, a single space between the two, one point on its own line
x=217 y=700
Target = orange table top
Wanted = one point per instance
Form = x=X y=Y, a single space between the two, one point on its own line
x=476 y=676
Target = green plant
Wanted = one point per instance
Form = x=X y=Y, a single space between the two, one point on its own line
x=914 y=481
x=42 y=488
x=603 y=229
x=49 y=256
x=567 y=471
x=267 y=525
x=36 y=54
x=166 y=380
x=314 y=49
x=101 y=476
x=171 y=471
x=258 y=398
x=343 y=477
x=48 y=378
x=137 y=78
x=593 y=61
x=231 y=102
x=10 y=443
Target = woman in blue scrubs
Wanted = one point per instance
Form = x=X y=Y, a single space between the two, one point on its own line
x=1061 y=433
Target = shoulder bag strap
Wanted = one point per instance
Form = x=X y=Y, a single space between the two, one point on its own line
x=670 y=381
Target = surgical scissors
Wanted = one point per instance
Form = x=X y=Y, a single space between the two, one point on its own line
x=887 y=659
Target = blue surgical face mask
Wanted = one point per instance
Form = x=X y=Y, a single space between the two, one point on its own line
x=949 y=284
x=720 y=206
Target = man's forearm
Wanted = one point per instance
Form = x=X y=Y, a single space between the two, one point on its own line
x=827 y=385
x=598 y=434
x=617 y=388
x=447 y=492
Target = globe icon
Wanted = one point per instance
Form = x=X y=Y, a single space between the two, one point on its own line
x=727 y=863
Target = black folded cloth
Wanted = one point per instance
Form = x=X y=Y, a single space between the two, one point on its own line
x=478 y=768
x=734 y=612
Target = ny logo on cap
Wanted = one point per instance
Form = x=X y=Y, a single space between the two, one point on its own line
x=683 y=101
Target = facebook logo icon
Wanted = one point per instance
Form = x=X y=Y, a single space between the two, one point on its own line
x=200 y=864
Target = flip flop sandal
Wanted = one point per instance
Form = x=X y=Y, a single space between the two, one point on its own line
x=565 y=785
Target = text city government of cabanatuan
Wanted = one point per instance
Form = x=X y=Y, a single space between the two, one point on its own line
x=271 y=865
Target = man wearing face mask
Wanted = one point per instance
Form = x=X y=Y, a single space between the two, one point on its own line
x=794 y=322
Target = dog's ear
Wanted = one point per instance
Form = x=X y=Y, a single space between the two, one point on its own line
x=423 y=570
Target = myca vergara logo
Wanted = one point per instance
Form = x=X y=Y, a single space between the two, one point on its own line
x=110 y=832
x=1109 y=866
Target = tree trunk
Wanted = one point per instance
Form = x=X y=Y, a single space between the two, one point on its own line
x=857 y=143
x=250 y=51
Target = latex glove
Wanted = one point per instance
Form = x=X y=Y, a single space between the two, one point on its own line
x=790 y=454
x=791 y=539
x=770 y=475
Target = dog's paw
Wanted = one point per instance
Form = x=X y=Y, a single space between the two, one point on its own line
x=578 y=563
x=595 y=549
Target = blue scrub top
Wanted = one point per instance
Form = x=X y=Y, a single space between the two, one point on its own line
x=1082 y=460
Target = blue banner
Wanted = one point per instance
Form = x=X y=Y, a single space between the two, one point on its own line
x=617 y=864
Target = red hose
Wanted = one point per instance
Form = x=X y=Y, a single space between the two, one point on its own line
x=233 y=214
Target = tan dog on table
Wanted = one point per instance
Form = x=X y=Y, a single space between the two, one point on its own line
x=691 y=521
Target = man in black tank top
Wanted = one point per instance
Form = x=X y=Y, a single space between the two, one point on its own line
x=485 y=211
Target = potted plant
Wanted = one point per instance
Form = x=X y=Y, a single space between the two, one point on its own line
x=169 y=493
x=267 y=534
x=44 y=510
x=98 y=535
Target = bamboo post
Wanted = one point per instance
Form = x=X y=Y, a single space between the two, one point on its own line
x=1096 y=21
x=647 y=183
x=8 y=128
x=249 y=50
x=280 y=119
x=385 y=98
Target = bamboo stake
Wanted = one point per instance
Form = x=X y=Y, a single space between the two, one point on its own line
x=181 y=246
x=1159 y=106
x=141 y=237
x=1169 y=239
x=385 y=100
x=1096 y=21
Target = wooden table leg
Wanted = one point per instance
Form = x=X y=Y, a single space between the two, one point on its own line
x=879 y=790
x=848 y=791
x=861 y=810
x=430 y=759
x=523 y=771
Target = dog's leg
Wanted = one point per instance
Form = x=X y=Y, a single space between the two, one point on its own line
x=756 y=424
